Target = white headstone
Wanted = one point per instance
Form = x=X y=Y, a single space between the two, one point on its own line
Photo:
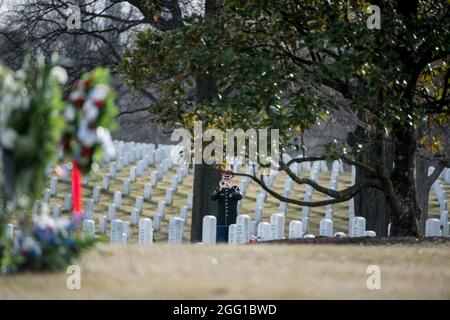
x=148 y=191
x=133 y=173
x=105 y=182
x=126 y=231
x=68 y=202
x=370 y=233
x=184 y=212
x=154 y=178
x=96 y=194
x=283 y=207
x=277 y=224
x=175 y=230
x=89 y=228
x=260 y=200
x=140 y=168
x=161 y=208
x=174 y=183
x=444 y=223
x=326 y=228
x=351 y=213
x=119 y=165
x=145 y=231
x=116 y=231
x=139 y=203
x=112 y=169
x=295 y=229
x=309 y=236
x=339 y=235
x=169 y=196
x=157 y=222
x=258 y=214
x=305 y=225
x=264 y=231
x=102 y=224
x=47 y=196
x=253 y=228
x=305 y=211
x=126 y=187
x=243 y=222
x=432 y=228
x=232 y=234
x=112 y=211
x=57 y=211
x=118 y=198
x=134 y=216
x=89 y=209
x=358 y=227
x=53 y=186
x=209 y=230
x=329 y=213
x=189 y=201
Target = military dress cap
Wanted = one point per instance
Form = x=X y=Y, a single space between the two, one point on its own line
x=226 y=173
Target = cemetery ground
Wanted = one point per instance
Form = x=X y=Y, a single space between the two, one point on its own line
x=260 y=271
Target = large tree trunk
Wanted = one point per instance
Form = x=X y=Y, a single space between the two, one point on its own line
x=371 y=203
x=206 y=179
x=406 y=211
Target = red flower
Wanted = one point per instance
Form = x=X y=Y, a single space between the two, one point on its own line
x=79 y=102
x=88 y=82
x=100 y=103
x=86 y=152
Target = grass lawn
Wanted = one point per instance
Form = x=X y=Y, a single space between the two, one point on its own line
x=263 y=271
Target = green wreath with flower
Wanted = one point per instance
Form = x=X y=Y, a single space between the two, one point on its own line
x=31 y=130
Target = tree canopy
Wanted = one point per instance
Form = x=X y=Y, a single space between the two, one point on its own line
x=287 y=64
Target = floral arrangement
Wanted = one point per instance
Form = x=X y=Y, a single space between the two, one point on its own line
x=52 y=245
x=30 y=125
x=89 y=113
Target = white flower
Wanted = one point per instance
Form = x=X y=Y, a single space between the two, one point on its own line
x=8 y=138
x=105 y=139
x=75 y=95
x=99 y=93
x=90 y=111
x=59 y=74
x=87 y=137
x=70 y=113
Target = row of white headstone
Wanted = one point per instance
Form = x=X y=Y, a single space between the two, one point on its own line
x=443 y=211
x=120 y=231
x=128 y=153
x=144 y=155
x=245 y=229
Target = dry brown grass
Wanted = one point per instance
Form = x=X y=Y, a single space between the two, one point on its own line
x=246 y=272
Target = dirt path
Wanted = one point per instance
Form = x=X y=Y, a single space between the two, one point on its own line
x=247 y=272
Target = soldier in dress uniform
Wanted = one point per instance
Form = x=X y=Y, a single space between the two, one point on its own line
x=227 y=196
